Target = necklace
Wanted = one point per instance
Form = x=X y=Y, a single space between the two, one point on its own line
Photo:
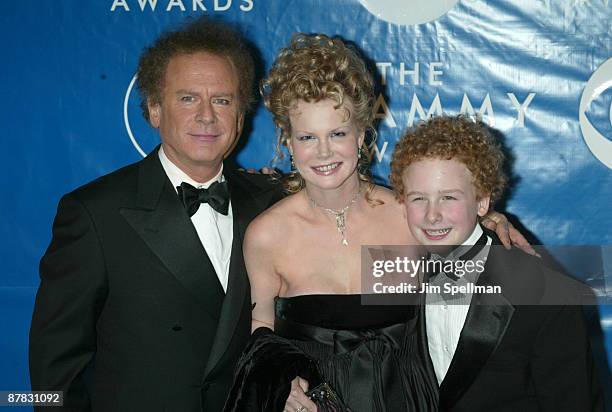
x=339 y=214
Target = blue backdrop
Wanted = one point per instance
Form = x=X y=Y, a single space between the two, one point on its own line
x=539 y=71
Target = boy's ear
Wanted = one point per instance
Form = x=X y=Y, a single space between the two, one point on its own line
x=483 y=205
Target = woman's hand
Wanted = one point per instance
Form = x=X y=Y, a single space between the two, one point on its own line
x=507 y=233
x=297 y=400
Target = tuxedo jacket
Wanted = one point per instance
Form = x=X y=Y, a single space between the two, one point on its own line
x=517 y=357
x=130 y=314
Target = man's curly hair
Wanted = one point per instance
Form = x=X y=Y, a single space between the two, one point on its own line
x=199 y=35
x=313 y=68
x=452 y=137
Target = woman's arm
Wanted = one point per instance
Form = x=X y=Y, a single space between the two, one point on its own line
x=259 y=249
x=261 y=243
x=507 y=233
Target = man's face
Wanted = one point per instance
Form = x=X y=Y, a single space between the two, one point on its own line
x=441 y=204
x=199 y=117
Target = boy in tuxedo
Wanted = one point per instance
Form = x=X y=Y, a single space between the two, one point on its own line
x=509 y=334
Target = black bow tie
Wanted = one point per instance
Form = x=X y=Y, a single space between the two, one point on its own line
x=217 y=196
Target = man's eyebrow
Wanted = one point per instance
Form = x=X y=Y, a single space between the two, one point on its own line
x=227 y=95
x=187 y=91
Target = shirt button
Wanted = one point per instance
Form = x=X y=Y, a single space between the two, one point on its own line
x=446 y=348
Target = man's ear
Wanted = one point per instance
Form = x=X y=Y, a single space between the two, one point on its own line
x=483 y=205
x=239 y=125
x=154 y=113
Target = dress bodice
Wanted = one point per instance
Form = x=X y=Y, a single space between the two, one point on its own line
x=372 y=355
x=349 y=312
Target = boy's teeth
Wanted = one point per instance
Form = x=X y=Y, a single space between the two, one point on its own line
x=438 y=232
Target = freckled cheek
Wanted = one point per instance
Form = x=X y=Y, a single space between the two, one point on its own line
x=415 y=216
x=458 y=215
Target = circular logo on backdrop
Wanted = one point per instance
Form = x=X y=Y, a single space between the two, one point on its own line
x=143 y=137
x=598 y=144
x=408 y=12
x=126 y=117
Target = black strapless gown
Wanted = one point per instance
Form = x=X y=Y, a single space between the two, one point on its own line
x=374 y=357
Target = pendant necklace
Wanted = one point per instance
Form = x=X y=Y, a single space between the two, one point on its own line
x=339 y=214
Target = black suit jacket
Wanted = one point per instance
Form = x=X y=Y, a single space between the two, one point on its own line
x=130 y=314
x=517 y=357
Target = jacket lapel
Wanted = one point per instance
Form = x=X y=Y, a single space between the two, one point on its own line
x=248 y=201
x=486 y=323
x=161 y=221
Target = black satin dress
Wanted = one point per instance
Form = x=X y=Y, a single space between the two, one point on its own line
x=374 y=357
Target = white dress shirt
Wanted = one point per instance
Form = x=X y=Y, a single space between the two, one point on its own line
x=445 y=321
x=214 y=229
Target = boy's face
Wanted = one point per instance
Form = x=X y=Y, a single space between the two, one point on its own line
x=441 y=204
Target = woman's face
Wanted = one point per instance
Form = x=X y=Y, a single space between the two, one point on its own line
x=324 y=142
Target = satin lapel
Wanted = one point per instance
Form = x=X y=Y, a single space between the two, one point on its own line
x=247 y=202
x=430 y=372
x=161 y=221
x=486 y=322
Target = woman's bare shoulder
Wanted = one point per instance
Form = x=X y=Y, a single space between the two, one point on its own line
x=272 y=222
x=390 y=217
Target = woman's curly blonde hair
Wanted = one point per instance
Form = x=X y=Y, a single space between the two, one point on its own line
x=452 y=137
x=313 y=68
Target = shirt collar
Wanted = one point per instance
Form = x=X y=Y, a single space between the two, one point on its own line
x=462 y=249
x=473 y=238
x=177 y=176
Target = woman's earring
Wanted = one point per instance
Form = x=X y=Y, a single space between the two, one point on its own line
x=359 y=153
x=292 y=163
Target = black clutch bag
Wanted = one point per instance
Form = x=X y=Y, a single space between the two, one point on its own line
x=326 y=399
x=263 y=376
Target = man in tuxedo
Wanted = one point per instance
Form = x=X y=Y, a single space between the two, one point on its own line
x=144 y=301
x=507 y=334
